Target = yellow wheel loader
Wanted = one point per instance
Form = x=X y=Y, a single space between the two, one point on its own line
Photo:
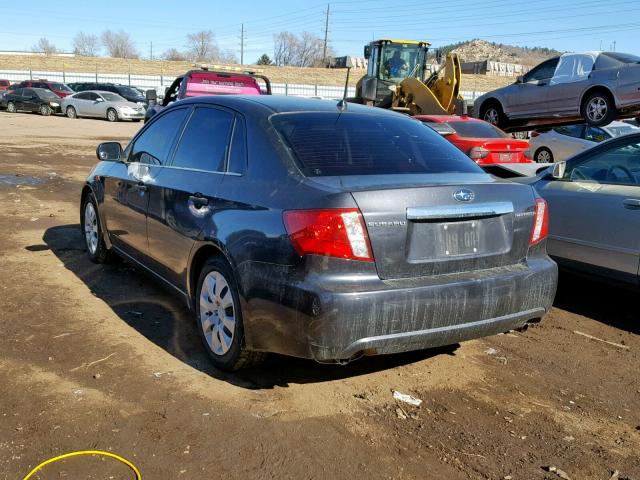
x=397 y=78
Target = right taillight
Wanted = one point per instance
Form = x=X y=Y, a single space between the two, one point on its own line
x=540 y=222
x=336 y=232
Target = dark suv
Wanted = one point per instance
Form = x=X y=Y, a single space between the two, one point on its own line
x=317 y=230
x=128 y=93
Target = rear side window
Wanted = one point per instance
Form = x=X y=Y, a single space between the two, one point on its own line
x=327 y=143
x=473 y=129
x=203 y=145
x=154 y=144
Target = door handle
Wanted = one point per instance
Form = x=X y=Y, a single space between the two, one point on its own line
x=141 y=187
x=198 y=200
x=632 y=203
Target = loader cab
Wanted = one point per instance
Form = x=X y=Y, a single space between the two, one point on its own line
x=389 y=63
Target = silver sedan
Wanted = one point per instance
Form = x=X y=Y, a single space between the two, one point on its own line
x=99 y=104
x=592 y=87
x=594 y=209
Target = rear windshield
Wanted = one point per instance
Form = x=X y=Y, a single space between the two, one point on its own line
x=327 y=143
x=476 y=129
x=129 y=91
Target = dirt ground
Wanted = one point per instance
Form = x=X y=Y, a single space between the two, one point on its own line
x=102 y=357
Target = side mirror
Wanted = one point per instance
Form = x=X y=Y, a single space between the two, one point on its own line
x=519 y=79
x=151 y=95
x=109 y=152
x=558 y=170
x=99 y=99
x=367 y=51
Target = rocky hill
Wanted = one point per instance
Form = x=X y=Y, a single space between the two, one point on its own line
x=479 y=50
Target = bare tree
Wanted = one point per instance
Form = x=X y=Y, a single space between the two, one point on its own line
x=44 y=46
x=202 y=46
x=285 y=45
x=303 y=51
x=119 y=44
x=86 y=45
x=174 y=55
x=227 y=56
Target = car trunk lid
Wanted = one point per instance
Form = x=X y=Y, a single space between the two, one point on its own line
x=450 y=228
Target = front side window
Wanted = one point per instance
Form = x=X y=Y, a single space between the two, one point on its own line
x=204 y=143
x=154 y=144
x=595 y=134
x=327 y=143
x=615 y=165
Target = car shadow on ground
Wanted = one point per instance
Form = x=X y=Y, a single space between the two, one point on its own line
x=607 y=303
x=163 y=319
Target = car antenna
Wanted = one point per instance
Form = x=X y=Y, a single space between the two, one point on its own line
x=342 y=105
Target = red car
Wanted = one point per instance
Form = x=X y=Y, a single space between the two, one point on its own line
x=483 y=142
x=4 y=84
x=60 y=89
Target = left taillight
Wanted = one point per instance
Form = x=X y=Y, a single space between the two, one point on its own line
x=540 y=222
x=329 y=232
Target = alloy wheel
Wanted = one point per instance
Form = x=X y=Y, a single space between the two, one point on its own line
x=112 y=116
x=543 y=156
x=491 y=116
x=91 y=228
x=71 y=112
x=217 y=313
x=596 y=109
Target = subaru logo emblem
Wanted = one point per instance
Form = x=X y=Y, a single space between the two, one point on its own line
x=464 y=195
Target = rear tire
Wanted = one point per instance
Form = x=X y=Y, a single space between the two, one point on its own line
x=97 y=250
x=492 y=112
x=543 y=155
x=112 y=115
x=219 y=318
x=598 y=109
x=71 y=112
x=11 y=107
x=45 y=110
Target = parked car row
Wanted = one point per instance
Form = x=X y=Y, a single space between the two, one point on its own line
x=97 y=100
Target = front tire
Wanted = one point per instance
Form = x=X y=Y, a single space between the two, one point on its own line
x=543 y=155
x=598 y=109
x=219 y=317
x=71 y=112
x=92 y=231
x=112 y=115
x=11 y=107
x=45 y=110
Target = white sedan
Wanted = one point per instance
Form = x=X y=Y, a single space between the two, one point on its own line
x=96 y=103
x=559 y=143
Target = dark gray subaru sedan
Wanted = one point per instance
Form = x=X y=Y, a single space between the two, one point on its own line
x=319 y=230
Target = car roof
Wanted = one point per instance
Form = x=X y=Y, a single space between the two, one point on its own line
x=281 y=104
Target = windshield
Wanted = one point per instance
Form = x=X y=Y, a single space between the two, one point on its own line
x=401 y=60
x=128 y=91
x=472 y=129
x=61 y=87
x=44 y=94
x=622 y=130
x=623 y=57
x=327 y=143
x=112 y=97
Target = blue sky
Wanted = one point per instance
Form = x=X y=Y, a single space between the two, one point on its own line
x=572 y=25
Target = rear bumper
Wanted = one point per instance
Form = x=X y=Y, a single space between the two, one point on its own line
x=328 y=319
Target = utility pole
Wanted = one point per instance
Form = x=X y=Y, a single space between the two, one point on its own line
x=614 y=45
x=242 y=44
x=151 y=50
x=326 y=34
